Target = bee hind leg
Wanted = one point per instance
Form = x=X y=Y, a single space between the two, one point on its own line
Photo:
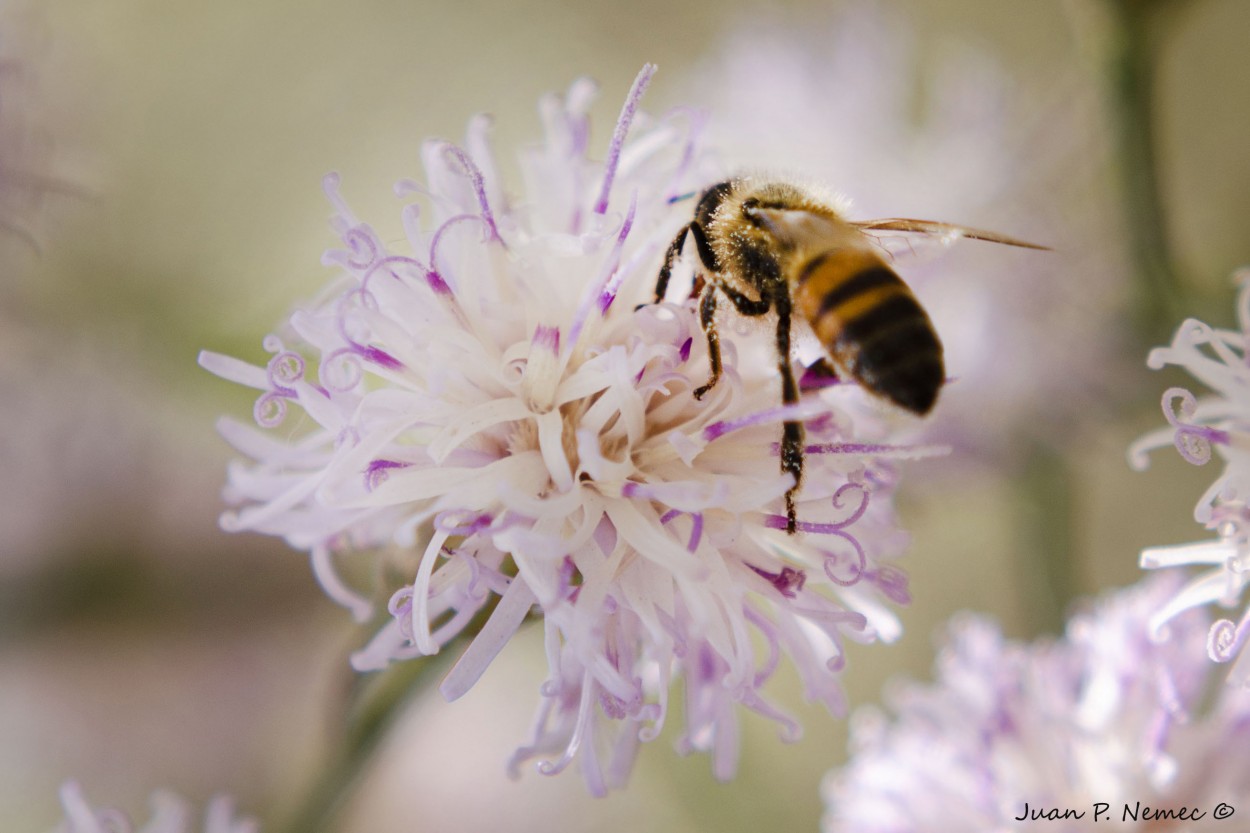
x=792 y=432
x=792 y=463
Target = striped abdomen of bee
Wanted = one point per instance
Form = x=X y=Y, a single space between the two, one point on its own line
x=871 y=324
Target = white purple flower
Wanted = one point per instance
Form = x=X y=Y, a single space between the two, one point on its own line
x=1105 y=715
x=1219 y=421
x=170 y=814
x=491 y=399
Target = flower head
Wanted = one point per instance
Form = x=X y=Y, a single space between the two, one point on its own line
x=170 y=814
x=1220 y=421
x=494 y=401
x=1107 y=714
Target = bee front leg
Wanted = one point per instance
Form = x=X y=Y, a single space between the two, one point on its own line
x=792 y=432
x=670 y=257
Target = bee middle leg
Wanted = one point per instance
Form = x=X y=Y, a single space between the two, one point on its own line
x=707 y=317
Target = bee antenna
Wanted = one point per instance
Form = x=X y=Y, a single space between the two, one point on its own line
x=681 y=197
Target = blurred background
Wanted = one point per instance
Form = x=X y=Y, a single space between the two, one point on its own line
x=160 y=183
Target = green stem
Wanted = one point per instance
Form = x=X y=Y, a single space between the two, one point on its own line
x=1132 y=67
x=1049 y=568
x=376 y=702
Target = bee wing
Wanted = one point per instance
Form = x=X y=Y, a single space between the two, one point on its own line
x=946 y=232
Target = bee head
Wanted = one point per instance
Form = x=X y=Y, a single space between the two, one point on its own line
x=710 y=201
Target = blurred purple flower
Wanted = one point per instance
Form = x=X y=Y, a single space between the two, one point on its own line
x=495 y=401
x=1220 y=359
x=24 y=148
x=1106 y=714
x=170 y=814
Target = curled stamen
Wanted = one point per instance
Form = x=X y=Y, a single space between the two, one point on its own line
x=341 y=371
x=330 y=186
x=285 y=369
x=1193 y=441
x=857 y=568
x=769 y=631
x=387 y=262
x=479 y=188
x=781 y=522
x=475 y=588
x=400 y=607
x=269 y=410
x=347 y=314
x=581 y=727
x=435 y=275
x=343 y=316
x=362 y=249
x=1225 y=639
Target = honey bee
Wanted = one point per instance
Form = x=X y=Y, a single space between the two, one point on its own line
x=772 y=246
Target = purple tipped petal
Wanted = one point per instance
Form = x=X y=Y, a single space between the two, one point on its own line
x=547 y=338
x=619 y=134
